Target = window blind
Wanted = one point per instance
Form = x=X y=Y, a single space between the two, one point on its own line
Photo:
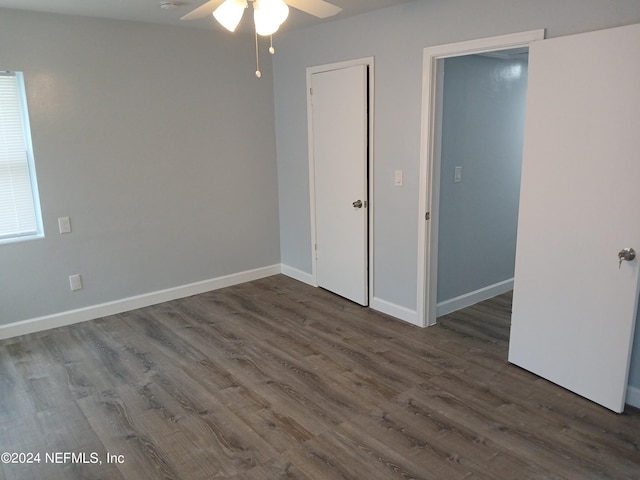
x=18 y=216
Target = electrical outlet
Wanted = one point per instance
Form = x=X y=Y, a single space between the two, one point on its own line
x=64 y=224
x=75 y=281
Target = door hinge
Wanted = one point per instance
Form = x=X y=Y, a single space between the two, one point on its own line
x=427 y=216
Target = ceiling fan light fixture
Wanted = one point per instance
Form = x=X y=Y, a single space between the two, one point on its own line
x=229 y=13
x=169 y=5
x=268 y=15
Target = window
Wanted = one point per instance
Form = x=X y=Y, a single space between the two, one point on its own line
x=19 y=205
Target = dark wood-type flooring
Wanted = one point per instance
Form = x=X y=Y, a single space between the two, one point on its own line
x=275 y=379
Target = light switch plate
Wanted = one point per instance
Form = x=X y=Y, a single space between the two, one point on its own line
x=457 y=176
x=398 y=180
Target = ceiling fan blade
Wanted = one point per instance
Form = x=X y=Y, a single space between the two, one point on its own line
x=203 y=10
x=317 y=8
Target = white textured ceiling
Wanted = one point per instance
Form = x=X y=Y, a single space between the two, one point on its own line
x=150 y=11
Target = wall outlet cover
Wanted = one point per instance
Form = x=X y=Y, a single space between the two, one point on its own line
x=75 y=282
x=64 y=224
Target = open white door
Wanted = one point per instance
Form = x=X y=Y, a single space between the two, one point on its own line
x=574 y=304
x=339 y=129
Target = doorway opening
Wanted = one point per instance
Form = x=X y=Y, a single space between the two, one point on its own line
x=481 y=134
x=479 y=51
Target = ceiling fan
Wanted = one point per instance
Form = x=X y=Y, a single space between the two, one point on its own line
x=268 y=15
x=317 y=8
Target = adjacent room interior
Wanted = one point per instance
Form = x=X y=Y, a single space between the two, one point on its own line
x=484 y=101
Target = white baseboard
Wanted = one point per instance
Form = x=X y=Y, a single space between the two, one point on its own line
x=397 y=311
x=633 y=396
x=299 y=275
x=471 y=298
x=139 y=301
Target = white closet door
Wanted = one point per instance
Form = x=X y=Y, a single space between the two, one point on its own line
x=339 y=103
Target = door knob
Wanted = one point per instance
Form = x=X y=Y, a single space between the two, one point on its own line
x=357 y=204
x=626 y=254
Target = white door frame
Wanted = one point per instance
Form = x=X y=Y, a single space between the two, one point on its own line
x=429 y=180
x=368 y=61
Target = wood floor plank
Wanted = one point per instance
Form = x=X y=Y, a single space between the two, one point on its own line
x=277 y=469
x=121 y=432
x=15 y=401
x=325 y=457
x=276 y=379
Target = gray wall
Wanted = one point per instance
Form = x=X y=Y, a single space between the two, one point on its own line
x=157 y=141
x=396 y=38
x=483 y=130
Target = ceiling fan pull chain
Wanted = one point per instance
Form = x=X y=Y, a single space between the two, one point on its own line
x=271 y=49
x=258 y=72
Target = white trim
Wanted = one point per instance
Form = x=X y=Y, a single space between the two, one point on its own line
x=396 y=311
x=368 y=61
x=633 y=396
x=466 y=300
x=427 y=249
x=139 y=301
x=299 y=275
